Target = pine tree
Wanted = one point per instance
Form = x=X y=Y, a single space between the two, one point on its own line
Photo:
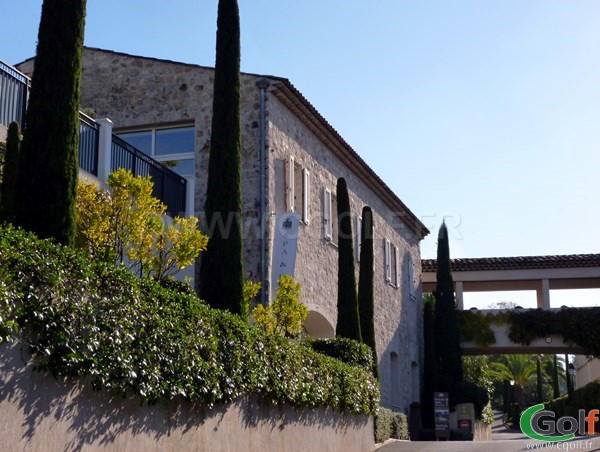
x=348 y=324
x=47 y=183
x=221 y=272
x=366 y=306
x=9 y=176
x=447 y=336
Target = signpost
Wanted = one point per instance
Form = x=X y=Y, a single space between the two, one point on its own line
x=441 y=410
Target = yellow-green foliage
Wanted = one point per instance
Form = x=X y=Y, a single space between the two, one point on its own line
x=249 y=292
x=287 y=314
x=126 y=224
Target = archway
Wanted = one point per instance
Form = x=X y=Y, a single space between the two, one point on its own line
x=316 y=325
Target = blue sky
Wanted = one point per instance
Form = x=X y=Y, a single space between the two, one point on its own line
x=485 y=112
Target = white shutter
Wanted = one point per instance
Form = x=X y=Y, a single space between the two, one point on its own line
x=328 y=231
x=397 y=269
x=387 y=260
x=306 y=196
x=290 y=184
x=358 y=236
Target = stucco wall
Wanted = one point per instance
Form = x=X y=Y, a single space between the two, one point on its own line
x=397 y=316
x=40 y=413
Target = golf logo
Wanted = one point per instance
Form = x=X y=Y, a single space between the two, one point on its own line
x=540 y=424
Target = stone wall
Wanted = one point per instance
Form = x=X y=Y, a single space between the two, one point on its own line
x=398 y=320
x=141 y=92
x=136 y=92
x=41 y=413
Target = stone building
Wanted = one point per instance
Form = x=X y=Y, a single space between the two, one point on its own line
x=164 y=108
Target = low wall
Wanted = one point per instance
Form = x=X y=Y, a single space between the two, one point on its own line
x=41 y=413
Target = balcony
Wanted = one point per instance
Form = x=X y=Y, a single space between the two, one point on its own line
x=100 y=152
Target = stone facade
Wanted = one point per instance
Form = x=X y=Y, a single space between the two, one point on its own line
x=137 y=93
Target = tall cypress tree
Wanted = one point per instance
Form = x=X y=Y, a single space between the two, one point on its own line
x=429 y=363
x=348 y=324
x=221 y=272
x=9 y=175
x=447 y=336
x=46 y=185
x=366 y=306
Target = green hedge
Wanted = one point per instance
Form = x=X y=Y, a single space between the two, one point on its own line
x=390 y=424
x=346 y=350
x=586 y=398
x=87 y=318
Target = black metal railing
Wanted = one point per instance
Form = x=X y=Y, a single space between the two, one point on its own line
x=169 y=186
x=14 y=88
x=89 y=134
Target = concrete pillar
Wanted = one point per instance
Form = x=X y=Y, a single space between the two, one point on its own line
x=458 y=288
x=543 y=295
x=104 y=148
x=189 y=196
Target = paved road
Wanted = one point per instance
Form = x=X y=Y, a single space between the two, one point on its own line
x=503 y=440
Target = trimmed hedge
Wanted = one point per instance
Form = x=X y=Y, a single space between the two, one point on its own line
x=130 y=335
x=390 y=424
x=346 y=350
x=586 y=398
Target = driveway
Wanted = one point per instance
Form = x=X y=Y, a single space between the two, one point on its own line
x=503 y=440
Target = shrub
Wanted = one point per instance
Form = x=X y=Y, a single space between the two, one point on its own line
x=346 y=350
x=287 y=314
x=586 y=398
x=249 y=293
x=390 y=424
x=84 y=317
x=467 y=392
x=126 y=225
x=400 y=426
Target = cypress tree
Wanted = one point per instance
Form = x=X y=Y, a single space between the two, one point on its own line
x=47 y=183
x=221 y=272
x=429 y=364
x=9 y=176
x=348 y=324
x=366 y=306
x=447 y=336
x=555 y=387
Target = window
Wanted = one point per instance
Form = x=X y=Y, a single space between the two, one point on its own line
x=330 y=226
x=173 y=146
x=391 y=253
x=298 y=190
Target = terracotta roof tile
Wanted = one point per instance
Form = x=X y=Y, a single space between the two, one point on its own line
x=517 y=263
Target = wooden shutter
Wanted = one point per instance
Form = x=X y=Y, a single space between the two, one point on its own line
x=290 y=184
x=328 y=230
x=387 y=260
x=306 y=196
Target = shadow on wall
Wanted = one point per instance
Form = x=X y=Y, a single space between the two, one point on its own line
x=398 y=363
x=38 y=411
